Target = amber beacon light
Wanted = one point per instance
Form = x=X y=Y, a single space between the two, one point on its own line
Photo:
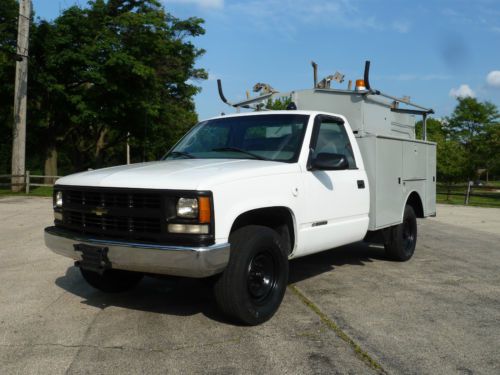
x=360 y=85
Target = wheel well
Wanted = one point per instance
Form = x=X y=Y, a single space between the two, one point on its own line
x=416 y=203
x=278 y=218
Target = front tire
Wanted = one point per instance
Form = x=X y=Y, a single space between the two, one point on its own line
x=112 y=280
x=253 y=284
x=402 y=238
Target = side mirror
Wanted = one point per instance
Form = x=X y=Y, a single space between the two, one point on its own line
x=329 y=162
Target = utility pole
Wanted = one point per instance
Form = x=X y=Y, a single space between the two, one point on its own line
x=20 y=96
x=128 y=147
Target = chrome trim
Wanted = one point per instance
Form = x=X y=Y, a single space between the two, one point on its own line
x=175 y=260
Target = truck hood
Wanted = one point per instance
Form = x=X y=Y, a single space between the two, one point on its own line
x=181 y=174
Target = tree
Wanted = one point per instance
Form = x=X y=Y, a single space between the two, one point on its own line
x=470 y=124
x=451 y=157
x=435 y=132
x=99 y=73
x=451 y=163
x=117 y=67
x=490 y=150
x=280 y=103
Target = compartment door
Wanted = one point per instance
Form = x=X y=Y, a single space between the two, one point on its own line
x=389 y=182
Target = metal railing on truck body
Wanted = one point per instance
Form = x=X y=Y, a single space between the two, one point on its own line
x=369 y=111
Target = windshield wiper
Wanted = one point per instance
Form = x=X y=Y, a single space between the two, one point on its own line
x=236 y=149
x=181 y=153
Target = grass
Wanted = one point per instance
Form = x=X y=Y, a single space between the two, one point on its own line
x=473 y=201
x=41 y=191
x=494 y=183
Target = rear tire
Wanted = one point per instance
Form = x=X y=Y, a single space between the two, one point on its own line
x=112 y=280
x=402 y=239
x=253 y=284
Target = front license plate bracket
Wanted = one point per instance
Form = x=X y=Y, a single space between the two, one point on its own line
x=94 y=258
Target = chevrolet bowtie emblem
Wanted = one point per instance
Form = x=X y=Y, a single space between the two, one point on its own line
x=99 y=211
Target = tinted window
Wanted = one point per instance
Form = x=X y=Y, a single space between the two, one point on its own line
x=333 y=139
x=271 y=137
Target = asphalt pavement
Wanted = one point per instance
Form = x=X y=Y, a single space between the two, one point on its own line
x=346 y=311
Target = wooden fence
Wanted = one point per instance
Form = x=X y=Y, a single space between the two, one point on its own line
x=27 y=180
x=482 y=191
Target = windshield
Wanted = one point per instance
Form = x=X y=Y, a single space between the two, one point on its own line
x=263 y=137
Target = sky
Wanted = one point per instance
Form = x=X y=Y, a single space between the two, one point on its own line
x=432 y=51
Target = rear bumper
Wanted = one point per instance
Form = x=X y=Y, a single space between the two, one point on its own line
x=141 y=257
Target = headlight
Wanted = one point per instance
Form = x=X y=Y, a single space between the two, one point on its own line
x=187 y=208
x=59 y=199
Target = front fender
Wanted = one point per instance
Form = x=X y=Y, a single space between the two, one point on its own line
x=235 y=198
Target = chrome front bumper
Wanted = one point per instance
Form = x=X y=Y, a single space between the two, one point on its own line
x=149 y=258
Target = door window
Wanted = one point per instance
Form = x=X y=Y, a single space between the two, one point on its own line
x=332 y=139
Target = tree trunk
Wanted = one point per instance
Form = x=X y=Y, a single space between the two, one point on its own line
x=99 y=147
x=50 y=168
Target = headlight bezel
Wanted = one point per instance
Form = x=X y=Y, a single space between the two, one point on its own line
x=196 y=220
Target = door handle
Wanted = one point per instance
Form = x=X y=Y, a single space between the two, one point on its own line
x=361 y=184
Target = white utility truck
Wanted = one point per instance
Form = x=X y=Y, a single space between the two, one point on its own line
x=240 y=195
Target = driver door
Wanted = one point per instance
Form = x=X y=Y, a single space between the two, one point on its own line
x=337 y=201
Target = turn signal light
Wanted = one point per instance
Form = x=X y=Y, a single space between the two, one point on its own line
x=204 y=214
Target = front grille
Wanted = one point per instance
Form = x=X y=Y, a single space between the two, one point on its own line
x=112 y=223
x=111 y=199
x=140 y=215
x=119 y=213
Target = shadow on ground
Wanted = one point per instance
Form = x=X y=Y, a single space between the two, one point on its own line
x=185 y=297
x=357 y=254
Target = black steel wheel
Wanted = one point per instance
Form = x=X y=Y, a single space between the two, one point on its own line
x=253 y=284
x=409 y=234
x=261 y=277
x=112 y=280
x=402 y=239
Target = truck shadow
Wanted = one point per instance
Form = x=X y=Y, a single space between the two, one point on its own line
x=356 y=254
x=169 y=295
x=185 y=297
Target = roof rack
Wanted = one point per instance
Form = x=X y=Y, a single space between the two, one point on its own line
x=366 y=92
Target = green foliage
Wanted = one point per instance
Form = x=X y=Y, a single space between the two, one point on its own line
x=467 y=141
x=435 y=131
x=472 y=124
x=278 y=103
x=490 y=149
x=98 y=73
x=451 y=161
x=451 y=157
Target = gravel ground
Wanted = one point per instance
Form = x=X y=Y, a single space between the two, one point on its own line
x=346 y=311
